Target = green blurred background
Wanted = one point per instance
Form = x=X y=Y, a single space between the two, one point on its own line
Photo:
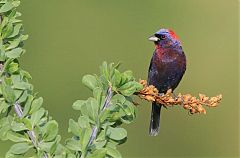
x=71 y=38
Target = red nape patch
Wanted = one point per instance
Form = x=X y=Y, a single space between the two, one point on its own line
x=173 y=35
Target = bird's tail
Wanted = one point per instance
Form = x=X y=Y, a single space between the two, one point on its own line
x=155 y=120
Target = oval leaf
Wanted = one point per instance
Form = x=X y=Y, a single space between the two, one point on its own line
x=116 y=133
x=50 y=130
x=19 y=148
x=78 y=104
x=89 y=81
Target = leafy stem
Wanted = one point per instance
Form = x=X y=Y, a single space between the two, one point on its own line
x=106 y=104
x=30 y=126
x=31 y=134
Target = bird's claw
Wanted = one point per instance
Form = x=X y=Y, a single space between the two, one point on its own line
x=176 y=98
x=161 y=94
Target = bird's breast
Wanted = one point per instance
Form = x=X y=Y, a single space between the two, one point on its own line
x=170 y=56
x=167 y=68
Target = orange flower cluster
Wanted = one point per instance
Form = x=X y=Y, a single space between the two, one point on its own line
x=187 y=101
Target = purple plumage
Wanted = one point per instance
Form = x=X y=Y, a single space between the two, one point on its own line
x=166 y=69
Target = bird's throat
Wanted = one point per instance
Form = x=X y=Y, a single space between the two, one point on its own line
x=159 y=50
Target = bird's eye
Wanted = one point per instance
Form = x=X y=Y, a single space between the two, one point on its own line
x=162 y=37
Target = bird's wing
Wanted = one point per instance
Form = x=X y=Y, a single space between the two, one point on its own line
x=151 y=72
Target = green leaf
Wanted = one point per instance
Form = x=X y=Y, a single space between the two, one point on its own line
x=27 y=105
x=113 y=152
x=49 y=147
x=23 y=97
x=16 y=137
x=4 y=106
x=16 y=126
x=14 y=43
x=7 y=31
x=20 y=148
x=16 y=30
x=17 y=93
x=73 y=145
x=16 y=3
x=36 y=104
x=74 y=127
x=90 y=109
x=16 y=78
x=4 y=23
x=45 y=146
x=84 y=122
x=102 y=135
x=112 y=144
x=25 y=74
x=12 y=14
x=97 y=94
x=55 y=145
x=89 y=81
x=5 y=126
x=128 y=89
x=22 y=85
x=126 y=77
x=86 y=134
x=36 y=116
x=104 y=70
x=99 y=144
x=78 y=104
x=129 y=109
x=118 y=99
x=50 y=130
x=116 y=78
x=6 y=7
x=104 y=115
x=27 y=123
x=116 y=114
x=138 y=86
x=100 y=153
x=40 y=153
x=7 y=91
x=92 y=106
x=116 y=133
x=15 y=53
x=13 y=67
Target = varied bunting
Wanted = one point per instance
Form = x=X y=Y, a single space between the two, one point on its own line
x=166 y=69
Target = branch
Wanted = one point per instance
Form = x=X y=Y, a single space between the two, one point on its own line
x=31 y=134
x=108 y=98
x=106 y=104
x=17 y=94
x=187 y=101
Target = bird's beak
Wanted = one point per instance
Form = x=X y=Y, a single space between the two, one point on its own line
x=153 y=38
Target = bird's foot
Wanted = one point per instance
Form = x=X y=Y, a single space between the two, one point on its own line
x=175 y=97
x=161 y=94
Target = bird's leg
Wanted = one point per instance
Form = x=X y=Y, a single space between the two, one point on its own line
x=161 y=95
x=176 y=98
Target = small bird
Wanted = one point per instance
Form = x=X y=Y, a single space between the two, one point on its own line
x=167 y=66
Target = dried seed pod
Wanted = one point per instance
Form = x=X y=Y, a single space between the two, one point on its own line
x=187 y=101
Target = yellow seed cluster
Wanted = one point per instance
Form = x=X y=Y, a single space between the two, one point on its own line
x=187 y=101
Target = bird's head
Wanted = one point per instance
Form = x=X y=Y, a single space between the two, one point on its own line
x=165 y=38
